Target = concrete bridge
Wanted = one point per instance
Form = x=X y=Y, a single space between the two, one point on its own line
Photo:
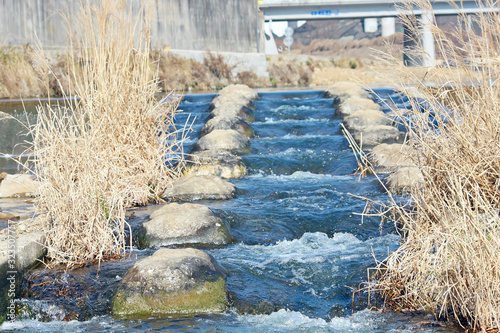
x=370 y=10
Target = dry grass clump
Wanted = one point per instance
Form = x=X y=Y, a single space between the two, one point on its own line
x=17 y=76
x=289 y=73
x=449 y=260
x=214 y=73
x=22 y=75
x=113 y=148
x=177 y=73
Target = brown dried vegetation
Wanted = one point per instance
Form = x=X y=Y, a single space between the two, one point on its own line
x=449 y=260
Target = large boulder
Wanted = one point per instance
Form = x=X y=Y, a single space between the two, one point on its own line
x=221 y=164
x=364 y=118
x=354 y=104
x=232 y=110
x=236 y=93
x=404 y=180
x=225 y=123
x=193 y=187
x=184 y=224
x=18 y=185
x=387 y=158
x=375 y=135
x=240 y=90
x=223 y=140
x=341 y=91
x=172 y=281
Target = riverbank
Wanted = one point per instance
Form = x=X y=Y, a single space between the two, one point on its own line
x=191 y=72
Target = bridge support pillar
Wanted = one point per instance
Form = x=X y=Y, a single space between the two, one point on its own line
x=428 y=39
x=370 y=24
x=388 y=26
x=418 y=49
x=270 y=44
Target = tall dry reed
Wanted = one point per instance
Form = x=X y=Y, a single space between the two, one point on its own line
x=449 y=260
x=113 y=148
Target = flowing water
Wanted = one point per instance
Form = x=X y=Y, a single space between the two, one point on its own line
x=300 y=248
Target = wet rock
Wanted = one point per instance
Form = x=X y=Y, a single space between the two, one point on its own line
x=18 y=185
x=364 y=118
x=226 y=123
x=228 y=140
x=337 y=311
x=233 y=110
x=235 y=93
x=172 y=281
x=404 y=179
x=341 y=91
x=354 y=104
x=55 y=294
x=249 y=306
x=184 y=224
x=240 y=90
x=387 y=158
x=4 y=216
x=193 y=187
x=375 y=135
x=221 y=164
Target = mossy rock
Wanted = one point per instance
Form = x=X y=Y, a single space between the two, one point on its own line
x=225 y=123
x=230 y=110
x=223 y=140
x=220 y=164
x=205 y=299
x=172 y=281
x=178 y=224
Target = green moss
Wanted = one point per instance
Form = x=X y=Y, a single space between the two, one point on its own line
x=273 y=82
x=140 y=239
x=250 y=118
x=248 y=132
x=224 y=234
x=208 y=298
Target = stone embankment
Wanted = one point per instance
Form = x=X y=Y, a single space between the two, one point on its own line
x=377 y=132
x=188 y=280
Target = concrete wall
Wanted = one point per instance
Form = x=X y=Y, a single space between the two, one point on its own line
x=228 y=25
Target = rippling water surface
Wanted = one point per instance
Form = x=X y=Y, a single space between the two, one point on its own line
x=300 y=248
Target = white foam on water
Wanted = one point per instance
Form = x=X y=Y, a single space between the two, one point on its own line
x=30 y=325
x=296 y=137
x=288 y=108
x=98 y=323
x=299 y=255
x=269 y=120
x=302 y=176
x=292 y=321
x=306 y=136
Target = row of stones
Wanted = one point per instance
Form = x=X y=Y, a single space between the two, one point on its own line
x=188 y=280
x=376 y=131
x=171 y=280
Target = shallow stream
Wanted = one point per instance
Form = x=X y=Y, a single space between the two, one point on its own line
x=300 y=250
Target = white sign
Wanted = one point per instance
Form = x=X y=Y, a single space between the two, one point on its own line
x=288 y=41
x=289 y=32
